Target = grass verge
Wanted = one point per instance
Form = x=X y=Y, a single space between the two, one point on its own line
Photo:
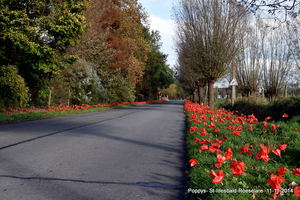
x=252 y=182
x=11 y=115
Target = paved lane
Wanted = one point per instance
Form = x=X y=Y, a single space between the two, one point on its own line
x=130 y=153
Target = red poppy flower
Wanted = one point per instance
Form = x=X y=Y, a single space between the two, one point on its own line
x=274 y=182
x=220 y=161
x=218 y=151
x=274 y=127
x=204 y=141
x=212 y=125
x=216 y=130
x=214 y=147
x=263 y=154
x=193 y=162
x=216 y=140
x=244 y=149
x=296 y=129
x=265 y=130
x=249 y=128
x=297 y=191
x=205 y=123
x=203 y=131
x=266 y=119
x=196 y=140
x=204 y=148
x=193 y=129
x=232 y=127
x=285 y=115
x=264 y=123
x=281 y=171
x=217 y=177
x=237 y=167
x=277 y=152
x=228 y=154
x=236 y=133
x=239 y=128
x=282 y=147
x=249 y=152
x=296 y=172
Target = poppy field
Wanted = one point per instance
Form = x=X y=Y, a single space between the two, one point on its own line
x=23 y=114
x=235 y=156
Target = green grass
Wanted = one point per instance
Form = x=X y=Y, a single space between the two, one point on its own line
x=256 y=170
x=36 y=114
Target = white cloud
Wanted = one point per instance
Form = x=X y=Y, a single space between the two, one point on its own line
x=166 y=29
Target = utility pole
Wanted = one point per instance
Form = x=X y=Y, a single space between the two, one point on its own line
x=233 y=71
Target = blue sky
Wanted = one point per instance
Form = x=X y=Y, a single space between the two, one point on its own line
x=160 y=19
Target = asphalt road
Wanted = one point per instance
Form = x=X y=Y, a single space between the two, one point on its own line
x=130 y=153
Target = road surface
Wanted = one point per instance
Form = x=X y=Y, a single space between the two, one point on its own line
x=130 y=153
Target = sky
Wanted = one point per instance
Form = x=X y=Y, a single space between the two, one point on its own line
x=159 y=12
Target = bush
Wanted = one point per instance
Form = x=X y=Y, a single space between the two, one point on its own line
x=14 y=91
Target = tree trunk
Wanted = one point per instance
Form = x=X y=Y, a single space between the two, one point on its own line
x=200 y=91
x=211 y=93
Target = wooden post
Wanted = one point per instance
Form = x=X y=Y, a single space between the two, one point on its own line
x=49 y=100
x=69 y=95
x=263 y=93
x=285 y=91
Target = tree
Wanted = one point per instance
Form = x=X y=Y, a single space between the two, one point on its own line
x=36 y=34
x=157 y=73
x=250 y=59
x=187 y=69
x=124 y=20
x=279 y=9
x=209 y=30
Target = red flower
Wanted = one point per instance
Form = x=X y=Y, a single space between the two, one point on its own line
x=204 y=141
x=237 y=167
x=285 y=115
x=264 y=123
x=296 y=129
x=263 y=154
x=231 y=127
x=277 y=152
x=281 y=171
x=249 y=128
x=297 y=191
x=196 y=140
x=274 y=127
x=220 y=161
x=214 y=147
x=216 y=130
x=249 y=152
x=204 y=148
x=265 y=130
x=268 y=118
x=193 y=162
x=296 y=172
x=239 y=128
x=282 y=147
x=236 y=133
x=217 y=178
x=244 y=149
x=228 y=154
x=274 y=182
x=193 y=129
x=203 y=131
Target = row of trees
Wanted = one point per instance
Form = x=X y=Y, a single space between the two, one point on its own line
x=88 y=51
x=221 y=39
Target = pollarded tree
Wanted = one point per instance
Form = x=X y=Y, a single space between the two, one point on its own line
x=35 y=35
x=187 y=69
x=209 y=30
